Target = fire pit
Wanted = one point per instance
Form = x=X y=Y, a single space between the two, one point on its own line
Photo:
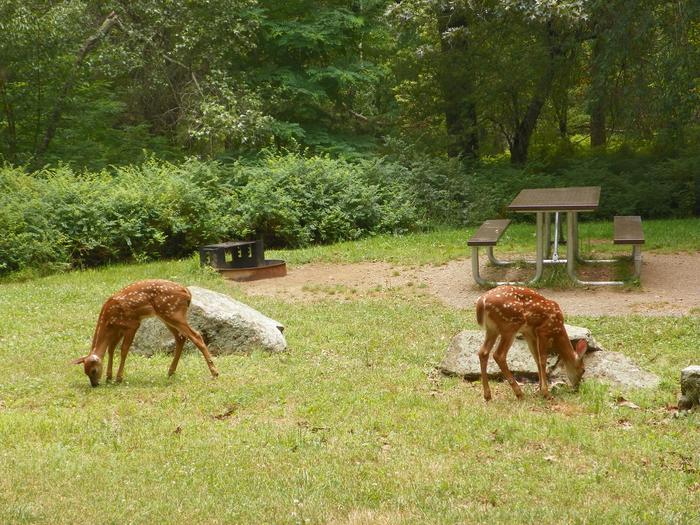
x=241 y=260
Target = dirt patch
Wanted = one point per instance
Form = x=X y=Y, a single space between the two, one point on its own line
x=342 y=281
x=670 y=286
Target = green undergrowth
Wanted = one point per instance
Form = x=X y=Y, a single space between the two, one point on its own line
x=352 y=425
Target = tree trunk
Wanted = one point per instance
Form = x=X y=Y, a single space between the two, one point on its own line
x=456 y=83
x=597 y=124
x=55 y=116
x=10 y=118
x=524 y=129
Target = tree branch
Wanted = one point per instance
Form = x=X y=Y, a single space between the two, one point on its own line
x=87 y=46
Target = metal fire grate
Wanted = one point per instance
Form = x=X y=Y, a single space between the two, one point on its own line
x=234 y=254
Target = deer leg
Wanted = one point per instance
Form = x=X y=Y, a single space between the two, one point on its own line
x=533 y=345
x=179 y=344
x=484 y=352
x=500 y=357
x=181 y=325
x=126 y=344
x=110 y=358
x=542 y=366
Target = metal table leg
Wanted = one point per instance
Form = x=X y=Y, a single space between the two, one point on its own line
x=539 y=262
x=497 y=262
x=555 y=250
x=539 y=258
x=547 y=234
x=572 y=253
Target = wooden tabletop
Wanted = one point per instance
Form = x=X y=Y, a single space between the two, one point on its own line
x=583 y=198
x=230 y=244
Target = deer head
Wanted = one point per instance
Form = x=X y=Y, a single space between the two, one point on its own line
x=573 y=358
x=92 y=364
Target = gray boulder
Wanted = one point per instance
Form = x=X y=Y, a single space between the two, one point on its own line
x=227 y=326
x=615 y=369
x=579 y=332
x=690 y=387
x=461 y=359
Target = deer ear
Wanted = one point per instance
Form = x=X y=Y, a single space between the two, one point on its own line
x=581 y=347
x=78 y=361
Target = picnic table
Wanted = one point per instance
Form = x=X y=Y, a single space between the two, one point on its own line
x=547 y=204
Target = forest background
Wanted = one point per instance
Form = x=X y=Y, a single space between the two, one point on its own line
x=138 y=129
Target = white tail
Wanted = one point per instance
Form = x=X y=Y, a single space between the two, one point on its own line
x=121 y=317
x=507 y=310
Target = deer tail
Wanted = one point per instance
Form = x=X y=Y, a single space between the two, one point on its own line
x=480 y=311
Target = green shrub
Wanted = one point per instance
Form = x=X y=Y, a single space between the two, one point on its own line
x=294 y=201
x=652 y=188
x=56 y=218
x=59 y=218
x=28 y=237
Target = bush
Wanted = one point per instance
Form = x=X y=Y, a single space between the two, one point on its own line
x=294 y=201
x=652 y=188
x=56 y=218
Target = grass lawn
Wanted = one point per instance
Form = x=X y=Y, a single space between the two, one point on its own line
x=352 y=425
x=442 y=245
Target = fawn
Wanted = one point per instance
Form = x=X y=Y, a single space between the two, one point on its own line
x=507 y=310
x=121 y=317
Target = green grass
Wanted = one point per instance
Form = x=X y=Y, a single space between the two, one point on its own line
x=352 y=425
x=446 y=244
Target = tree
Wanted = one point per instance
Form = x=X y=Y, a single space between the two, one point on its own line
x=456 y=77
x=36 y=46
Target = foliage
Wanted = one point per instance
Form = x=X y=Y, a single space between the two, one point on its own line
x=544 y=71
x=631 y=185
x=294 y=201
x=231 y=77
x=58 y=218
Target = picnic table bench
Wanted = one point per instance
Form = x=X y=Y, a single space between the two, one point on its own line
x=627 y=229
x=488 y=234
x=547 y=202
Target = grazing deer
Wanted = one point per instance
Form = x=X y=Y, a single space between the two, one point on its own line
x=507 y=310
x=121 y=317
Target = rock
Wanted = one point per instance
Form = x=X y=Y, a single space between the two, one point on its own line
x=227 y=326
x=462 y=359
x=684 y=403
x=579 y=332
x=690 y=387
x=615 y=369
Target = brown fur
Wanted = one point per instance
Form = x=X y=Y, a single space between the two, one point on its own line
x=507 y=310
x=121 y=316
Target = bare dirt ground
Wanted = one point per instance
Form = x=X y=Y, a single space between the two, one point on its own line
x=670 y=285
